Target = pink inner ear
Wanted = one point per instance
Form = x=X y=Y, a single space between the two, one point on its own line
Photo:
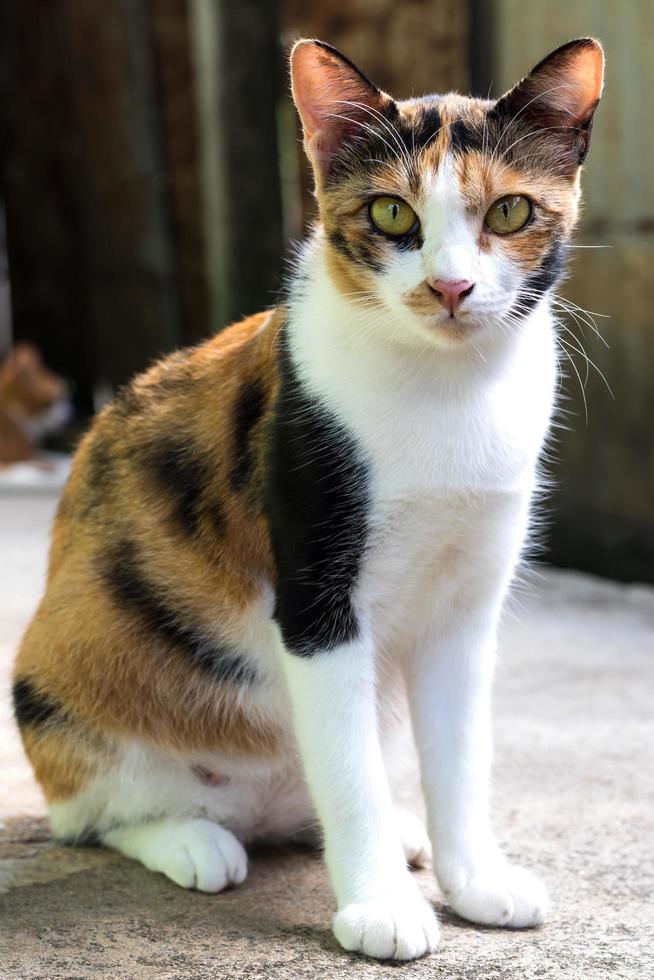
x=306 y=89
x=588 y=75
x=323 y=84
x=572 y=85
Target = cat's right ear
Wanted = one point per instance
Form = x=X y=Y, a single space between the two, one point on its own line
x=336 y=101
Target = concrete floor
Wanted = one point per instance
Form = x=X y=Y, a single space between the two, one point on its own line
x=574 y=795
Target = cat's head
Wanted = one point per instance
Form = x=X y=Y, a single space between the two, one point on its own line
x=451 y=213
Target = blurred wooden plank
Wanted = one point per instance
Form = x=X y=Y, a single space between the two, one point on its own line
x=123 y=201
x=39 y=174
x=175 y=74
x=84 y=177
x=481 y=48
x=406 y=48
x=237 y=62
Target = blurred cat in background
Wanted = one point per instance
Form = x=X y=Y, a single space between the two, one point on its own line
x=33 y=403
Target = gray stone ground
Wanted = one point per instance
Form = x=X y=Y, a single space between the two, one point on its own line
x=573 y=799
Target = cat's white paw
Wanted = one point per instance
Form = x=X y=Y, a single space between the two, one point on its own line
x=391 y=928
x=506 y=896
x=416 y=843
x=192 y=853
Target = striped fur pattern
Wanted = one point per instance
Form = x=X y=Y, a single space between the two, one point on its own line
x=276 y=547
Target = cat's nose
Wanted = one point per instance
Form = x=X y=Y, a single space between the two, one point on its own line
x=451 y=292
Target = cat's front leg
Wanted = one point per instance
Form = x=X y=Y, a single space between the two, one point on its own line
x=380 y=909
x=450 y=679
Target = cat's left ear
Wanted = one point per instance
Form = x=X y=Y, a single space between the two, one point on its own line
x=336 y=102
x=561 y=93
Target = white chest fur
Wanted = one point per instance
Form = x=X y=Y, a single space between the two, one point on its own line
x=429 y=420
x=451 y=440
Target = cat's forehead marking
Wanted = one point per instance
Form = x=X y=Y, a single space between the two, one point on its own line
x=449 y=134
x=446 y=123
x=445 y=132
x=483 y=156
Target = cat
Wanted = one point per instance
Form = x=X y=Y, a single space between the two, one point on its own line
x=276 y=546
x=33 y=402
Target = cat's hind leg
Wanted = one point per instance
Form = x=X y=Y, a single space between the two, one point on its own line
x=151 y=806
x=194 y=853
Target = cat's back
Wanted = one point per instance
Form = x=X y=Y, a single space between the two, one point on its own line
x=172 y=450
x=160 y=544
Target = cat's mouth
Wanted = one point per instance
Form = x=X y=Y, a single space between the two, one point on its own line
x=457 y=327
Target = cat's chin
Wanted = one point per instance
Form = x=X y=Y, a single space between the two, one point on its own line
x=451 y=332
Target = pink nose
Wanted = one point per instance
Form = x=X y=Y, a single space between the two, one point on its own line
x=451 y=293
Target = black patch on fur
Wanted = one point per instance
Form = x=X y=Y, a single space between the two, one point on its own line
x=31 y=708
x=411 y=134
x=214 y=514
x=466 y=136
x=375 y=140
x=380 y=141
x=182 y=476
x=518 y=139
x=317 y=505
x=411 y=242
x=582 y=137
x=364 y=256
x=99 y=464
x=339 y=242
x=355 y=252
x=543 y=278
x=248 y=410
x=123 y=572
x=424 y=129
x=85 y=838
x=129 y=400
x=100 y=479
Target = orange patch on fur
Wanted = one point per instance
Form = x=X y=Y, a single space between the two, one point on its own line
x=111 y=671
x=62 y=762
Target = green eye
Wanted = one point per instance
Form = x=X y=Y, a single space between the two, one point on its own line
x=392 y=216
x=508 y=214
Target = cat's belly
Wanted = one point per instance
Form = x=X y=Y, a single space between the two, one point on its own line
x=256 y=799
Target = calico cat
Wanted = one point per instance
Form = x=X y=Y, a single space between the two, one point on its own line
x=275 y=546
x=33 y=402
